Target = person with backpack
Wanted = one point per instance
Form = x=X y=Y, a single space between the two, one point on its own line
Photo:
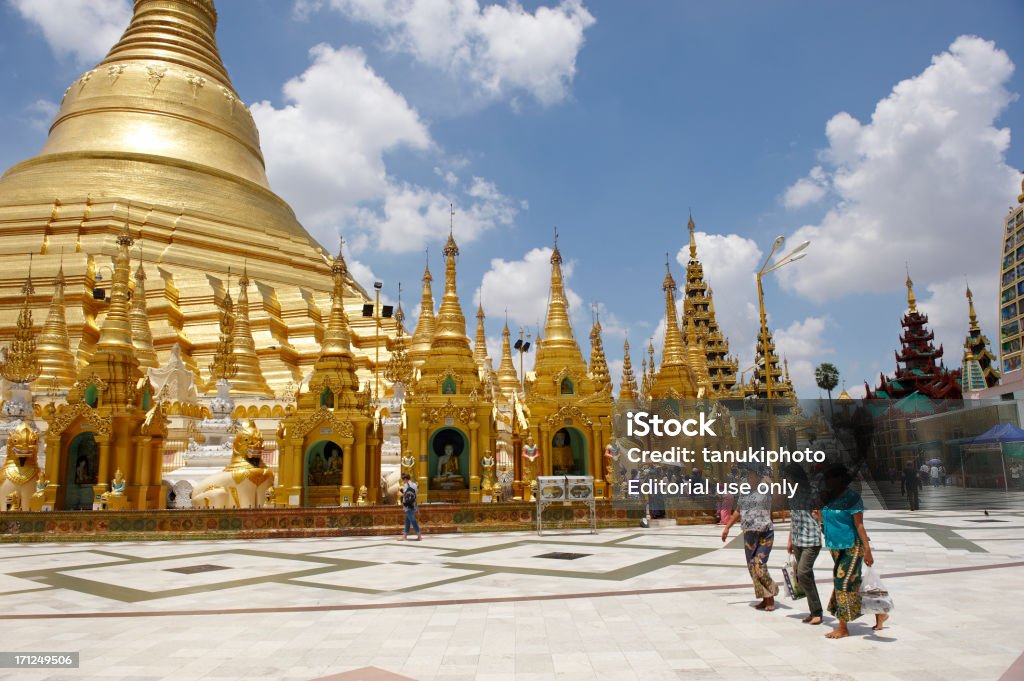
x=409 y=491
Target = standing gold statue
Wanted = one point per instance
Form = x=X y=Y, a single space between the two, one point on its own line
x=489 y=481
x=529 y=464
x=409 y=465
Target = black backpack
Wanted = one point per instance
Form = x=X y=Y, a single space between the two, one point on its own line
x=409 y=497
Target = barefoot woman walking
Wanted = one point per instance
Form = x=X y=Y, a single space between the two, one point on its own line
x=843 y=521
x=755 y=515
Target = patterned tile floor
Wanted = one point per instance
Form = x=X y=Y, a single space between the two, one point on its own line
x=664 y=603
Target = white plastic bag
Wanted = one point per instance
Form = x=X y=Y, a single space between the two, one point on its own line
x=792 y=585
x=874 y=596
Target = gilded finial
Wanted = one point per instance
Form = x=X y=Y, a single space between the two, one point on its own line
x=693 y=238
x=972 y=314
x=669 y=284
x=911 y=300
x=556 y=255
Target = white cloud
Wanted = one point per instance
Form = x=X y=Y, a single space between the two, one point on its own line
x=803 y=344
x=947 y=310
x=41 y=113
x=521 y=287
x=82 y=29
x=325 y=151
x=730 y=263
x=807 y=190
x=926 y=171
x=502 y=50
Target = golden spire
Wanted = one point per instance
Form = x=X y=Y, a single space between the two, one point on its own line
x=627 y=386
x=142 y=336
x=223 y=366
x=911 y=300
x=54 y=348
x=598 y=362
x=21 y=365
x=337 y=337
x=672 y=351
x=508 y=380
x=645 y=382
x=249 y=379
x=116 y=332
x=480 y=347
x=425 y=325
x=973 y=315
x=557 y=329
x=450 y=328
x=399 y=369
x=693 y=238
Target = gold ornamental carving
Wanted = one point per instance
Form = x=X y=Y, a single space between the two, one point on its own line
x=569 y=411
x=449 y=410
x=66 y=416
x=323 y=415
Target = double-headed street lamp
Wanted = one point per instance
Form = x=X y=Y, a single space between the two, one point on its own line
x=766 y=268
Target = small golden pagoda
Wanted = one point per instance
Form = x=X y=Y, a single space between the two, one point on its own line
x=598 y=361
x=423 y=335
x=110 y=421
x=53 y=347
x=449 y=423
x=142 y=336
x=627 y=386
x=675 y=378
x=569 y=411
x=249 y=378
x=700 y=306
x=329 y=448
x=508 y=379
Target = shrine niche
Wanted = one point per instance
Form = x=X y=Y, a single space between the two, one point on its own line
x=449 y=459
x=82 y=474
x=569 y=452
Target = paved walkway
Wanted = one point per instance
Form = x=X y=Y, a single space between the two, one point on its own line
x=664 y=603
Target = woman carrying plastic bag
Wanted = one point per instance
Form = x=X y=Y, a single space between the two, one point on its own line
x=874 y=597
x=843 y=521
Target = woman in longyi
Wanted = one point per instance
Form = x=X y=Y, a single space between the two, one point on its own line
x=842 y=514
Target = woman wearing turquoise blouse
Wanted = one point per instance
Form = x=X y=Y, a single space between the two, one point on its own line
x=842 y=514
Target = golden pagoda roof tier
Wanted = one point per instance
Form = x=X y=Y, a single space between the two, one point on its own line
x=249 y=378
x=450 y=355
x=53 y=347
x=558 y=355
x=628 y=385
x=142 y=336
x=675 y=378
x=508 y=380
x=423 y=335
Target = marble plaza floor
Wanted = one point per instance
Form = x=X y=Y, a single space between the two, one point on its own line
x=668 y=602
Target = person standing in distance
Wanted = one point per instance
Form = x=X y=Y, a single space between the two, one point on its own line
x=409 y=491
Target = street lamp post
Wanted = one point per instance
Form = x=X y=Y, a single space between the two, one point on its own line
x=523 y=347
x=377 y=312
x=768 y=267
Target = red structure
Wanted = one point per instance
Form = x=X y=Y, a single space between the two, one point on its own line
x=918 y=363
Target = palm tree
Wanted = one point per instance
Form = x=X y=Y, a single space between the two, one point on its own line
x=827 y=377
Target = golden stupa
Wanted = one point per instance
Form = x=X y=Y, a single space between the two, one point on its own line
x=157 y=137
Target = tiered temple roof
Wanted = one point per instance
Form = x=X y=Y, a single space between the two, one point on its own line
x=700 y=306
x=918 y=362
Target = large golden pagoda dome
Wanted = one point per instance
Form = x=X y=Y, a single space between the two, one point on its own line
x=156 y=136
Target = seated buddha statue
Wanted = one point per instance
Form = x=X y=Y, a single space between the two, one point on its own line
x=448 y=474
x=562 y=461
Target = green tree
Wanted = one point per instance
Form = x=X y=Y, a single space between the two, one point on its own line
x=827 y=377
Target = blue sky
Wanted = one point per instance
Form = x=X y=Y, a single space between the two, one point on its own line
x=611 y=120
